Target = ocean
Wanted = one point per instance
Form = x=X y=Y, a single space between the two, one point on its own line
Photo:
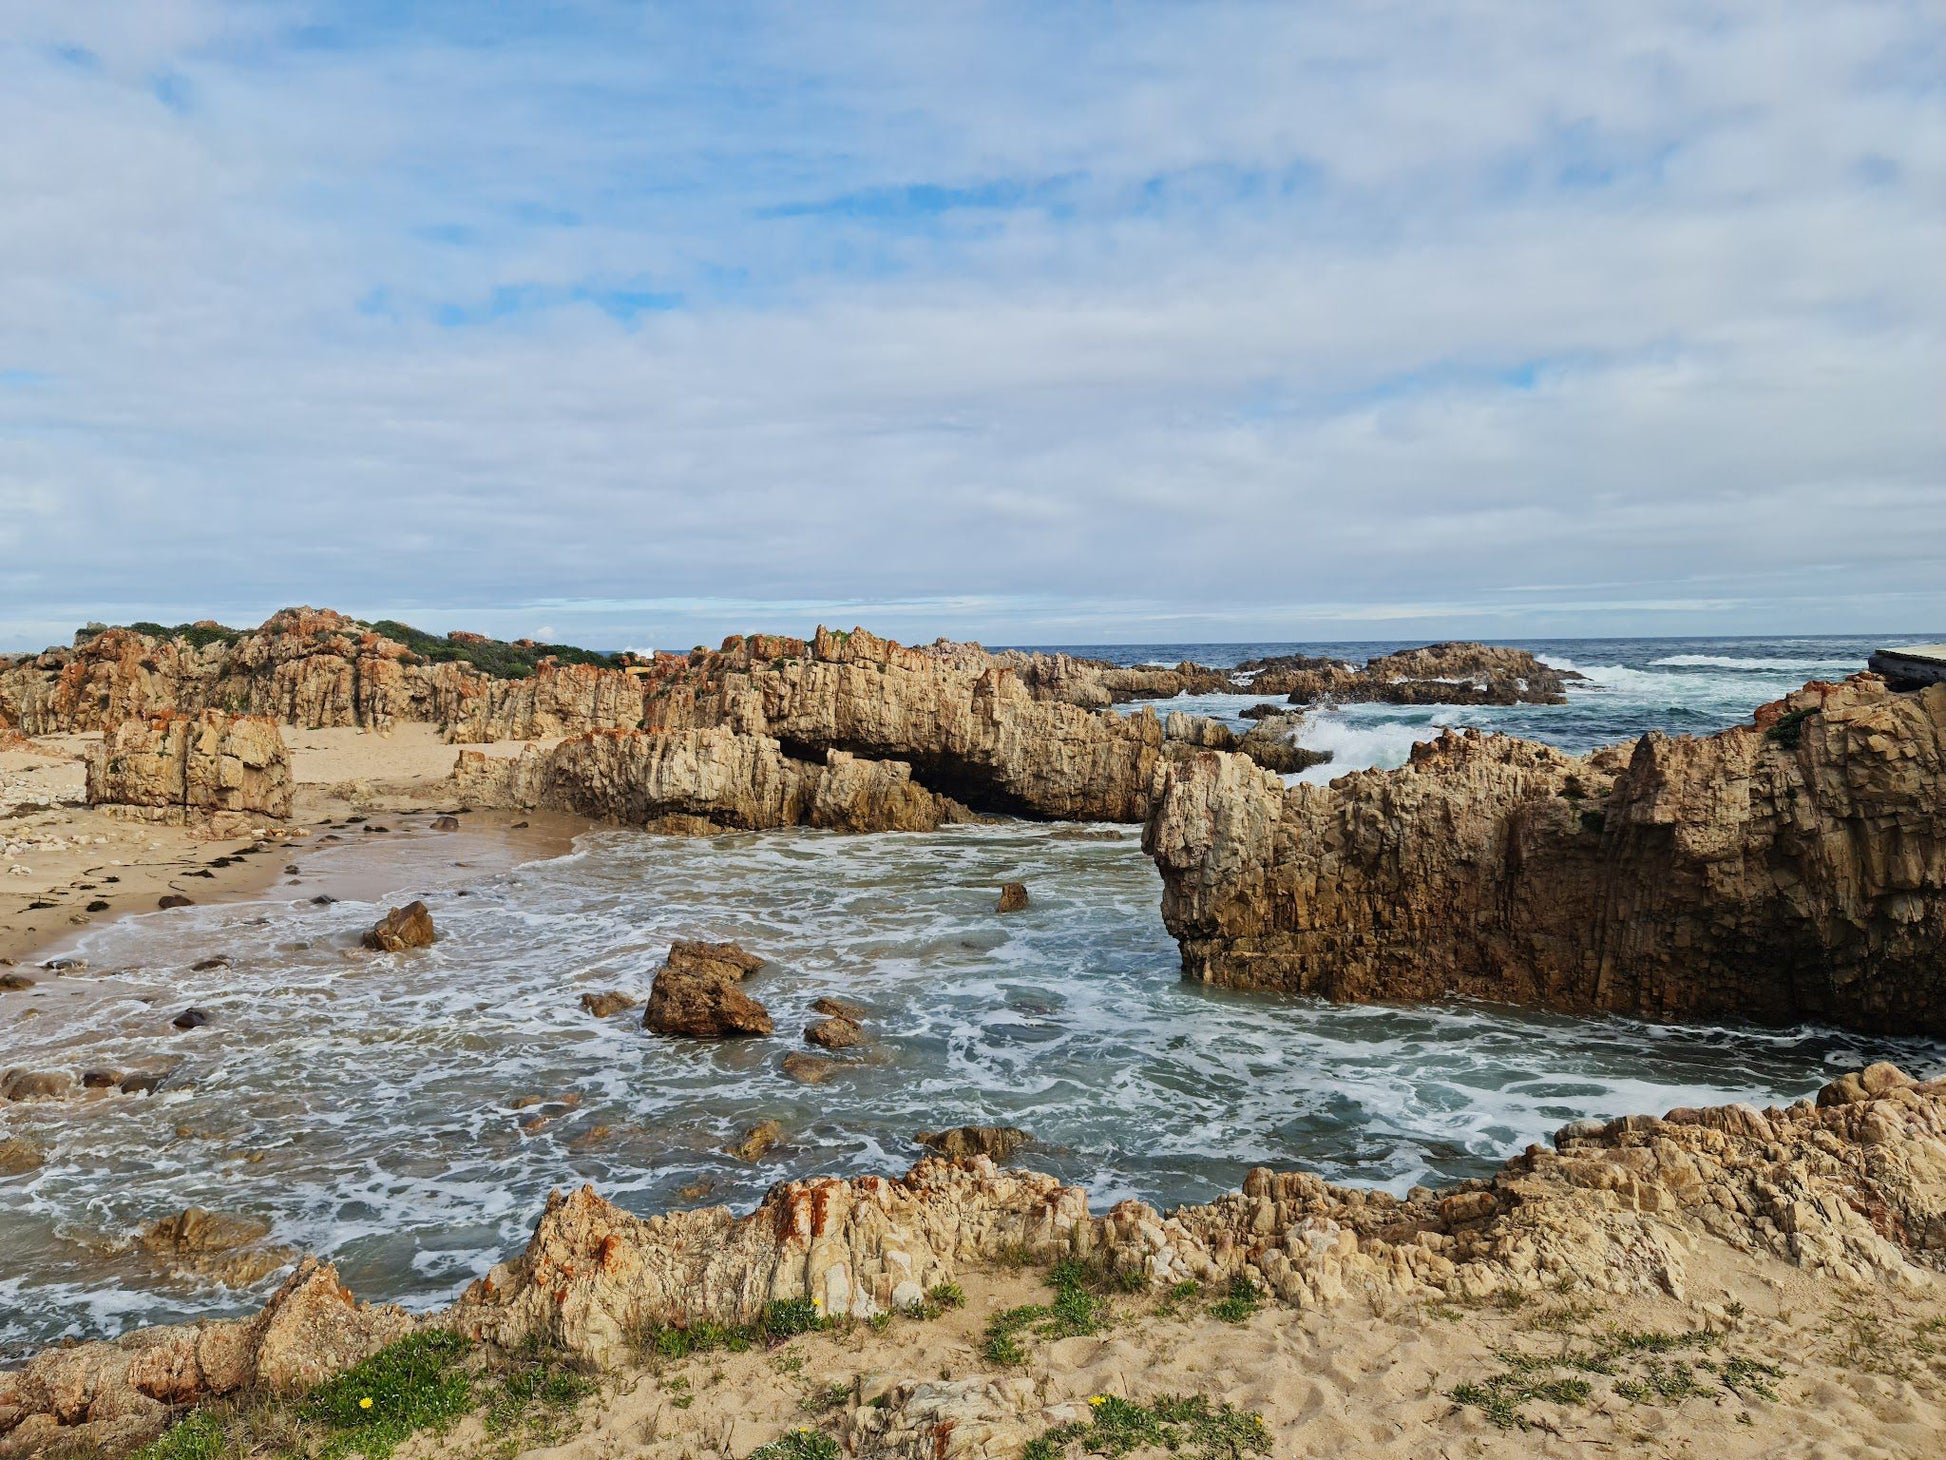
x=406 y=1116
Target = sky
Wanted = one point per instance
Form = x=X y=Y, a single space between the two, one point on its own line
x=634 y=325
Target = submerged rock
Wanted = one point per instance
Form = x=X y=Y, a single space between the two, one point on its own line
x=757 y=1142
x=996 y=1141
x=36 y=1085
x=402 y=928
x=807 y=1069
x=606 y=1002
x=202 y=1243
x=18 y=1156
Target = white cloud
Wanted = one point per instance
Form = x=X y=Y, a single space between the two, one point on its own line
x=1266 y=318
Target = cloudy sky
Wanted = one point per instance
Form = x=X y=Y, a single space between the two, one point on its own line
x=635 y=324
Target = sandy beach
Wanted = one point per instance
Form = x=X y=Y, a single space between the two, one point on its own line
x=65 y=866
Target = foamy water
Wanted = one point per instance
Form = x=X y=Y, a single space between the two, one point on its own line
x=370 y=1106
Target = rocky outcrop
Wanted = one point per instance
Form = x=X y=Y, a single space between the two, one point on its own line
x=704 y=781
x=969 y=727
x=1439 y=674
x=181 y=766
x=1272 y=744
x=1851 y=1187
x=401 y=929
x=850 y=732
x=1855 y=1190
x=107 y=1398
x=1094 y=684
x=1790 y=869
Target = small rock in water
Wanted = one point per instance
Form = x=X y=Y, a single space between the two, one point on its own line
x=323 y=899
x=291 y=870
x=1013 y=897
x=101 y=1079
x=838 y=1009
x=997 y=1141
x=606 y=1003
x=143 y=1082
x=204 y=965
x=66 y=965
x=98 y=905
x=174 y=899
x=18 y=1156
x=191 y=1019
x=14 y=982
x=402 y=928
x=445 y=823
x=807 y=1069
x=593 y=1136
x=695 y=1191
x=517 y=826
x=756 y=1142
x=835 y=1033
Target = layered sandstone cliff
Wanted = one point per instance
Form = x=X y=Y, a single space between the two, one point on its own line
x=1790 y=869
x=1851 y=1187
x=188 y=765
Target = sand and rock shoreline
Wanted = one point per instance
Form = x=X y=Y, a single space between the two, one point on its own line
x=1794 y=868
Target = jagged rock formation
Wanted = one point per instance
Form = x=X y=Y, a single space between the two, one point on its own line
x=1855 y=1187
x=1791 y=869
x=107 y=1398
x=1852 y=1186
x=305 y=667
x=1092 y=684
x=1439 y=674
x=182 y=765
x=850 y=731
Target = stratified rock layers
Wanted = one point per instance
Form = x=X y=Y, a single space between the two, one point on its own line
x=1793 y=869
x=192 y=763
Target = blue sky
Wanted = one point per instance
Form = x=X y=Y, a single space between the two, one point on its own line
x=1083 y=323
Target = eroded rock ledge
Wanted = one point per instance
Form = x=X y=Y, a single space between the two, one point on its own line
x=1852 y=1186
x=1439 y=674
x=1790 y=869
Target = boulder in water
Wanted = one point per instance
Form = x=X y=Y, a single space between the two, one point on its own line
x=838 y=1009
x=402 y=928
x=191 y=1019
x=695 y=993
x=835 y=1033
x=1013 y=897
x=807 y=1069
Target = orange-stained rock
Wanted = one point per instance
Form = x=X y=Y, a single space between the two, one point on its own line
x=183 y=765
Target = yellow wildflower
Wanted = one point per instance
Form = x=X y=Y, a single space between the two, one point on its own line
x=1098 y=1399
x=365 y=1403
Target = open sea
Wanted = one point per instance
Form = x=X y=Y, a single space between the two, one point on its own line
x=407 y=1115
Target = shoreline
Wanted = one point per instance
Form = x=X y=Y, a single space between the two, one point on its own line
x=95 y=868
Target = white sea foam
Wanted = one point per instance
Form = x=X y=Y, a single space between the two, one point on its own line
x=1778 y=666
